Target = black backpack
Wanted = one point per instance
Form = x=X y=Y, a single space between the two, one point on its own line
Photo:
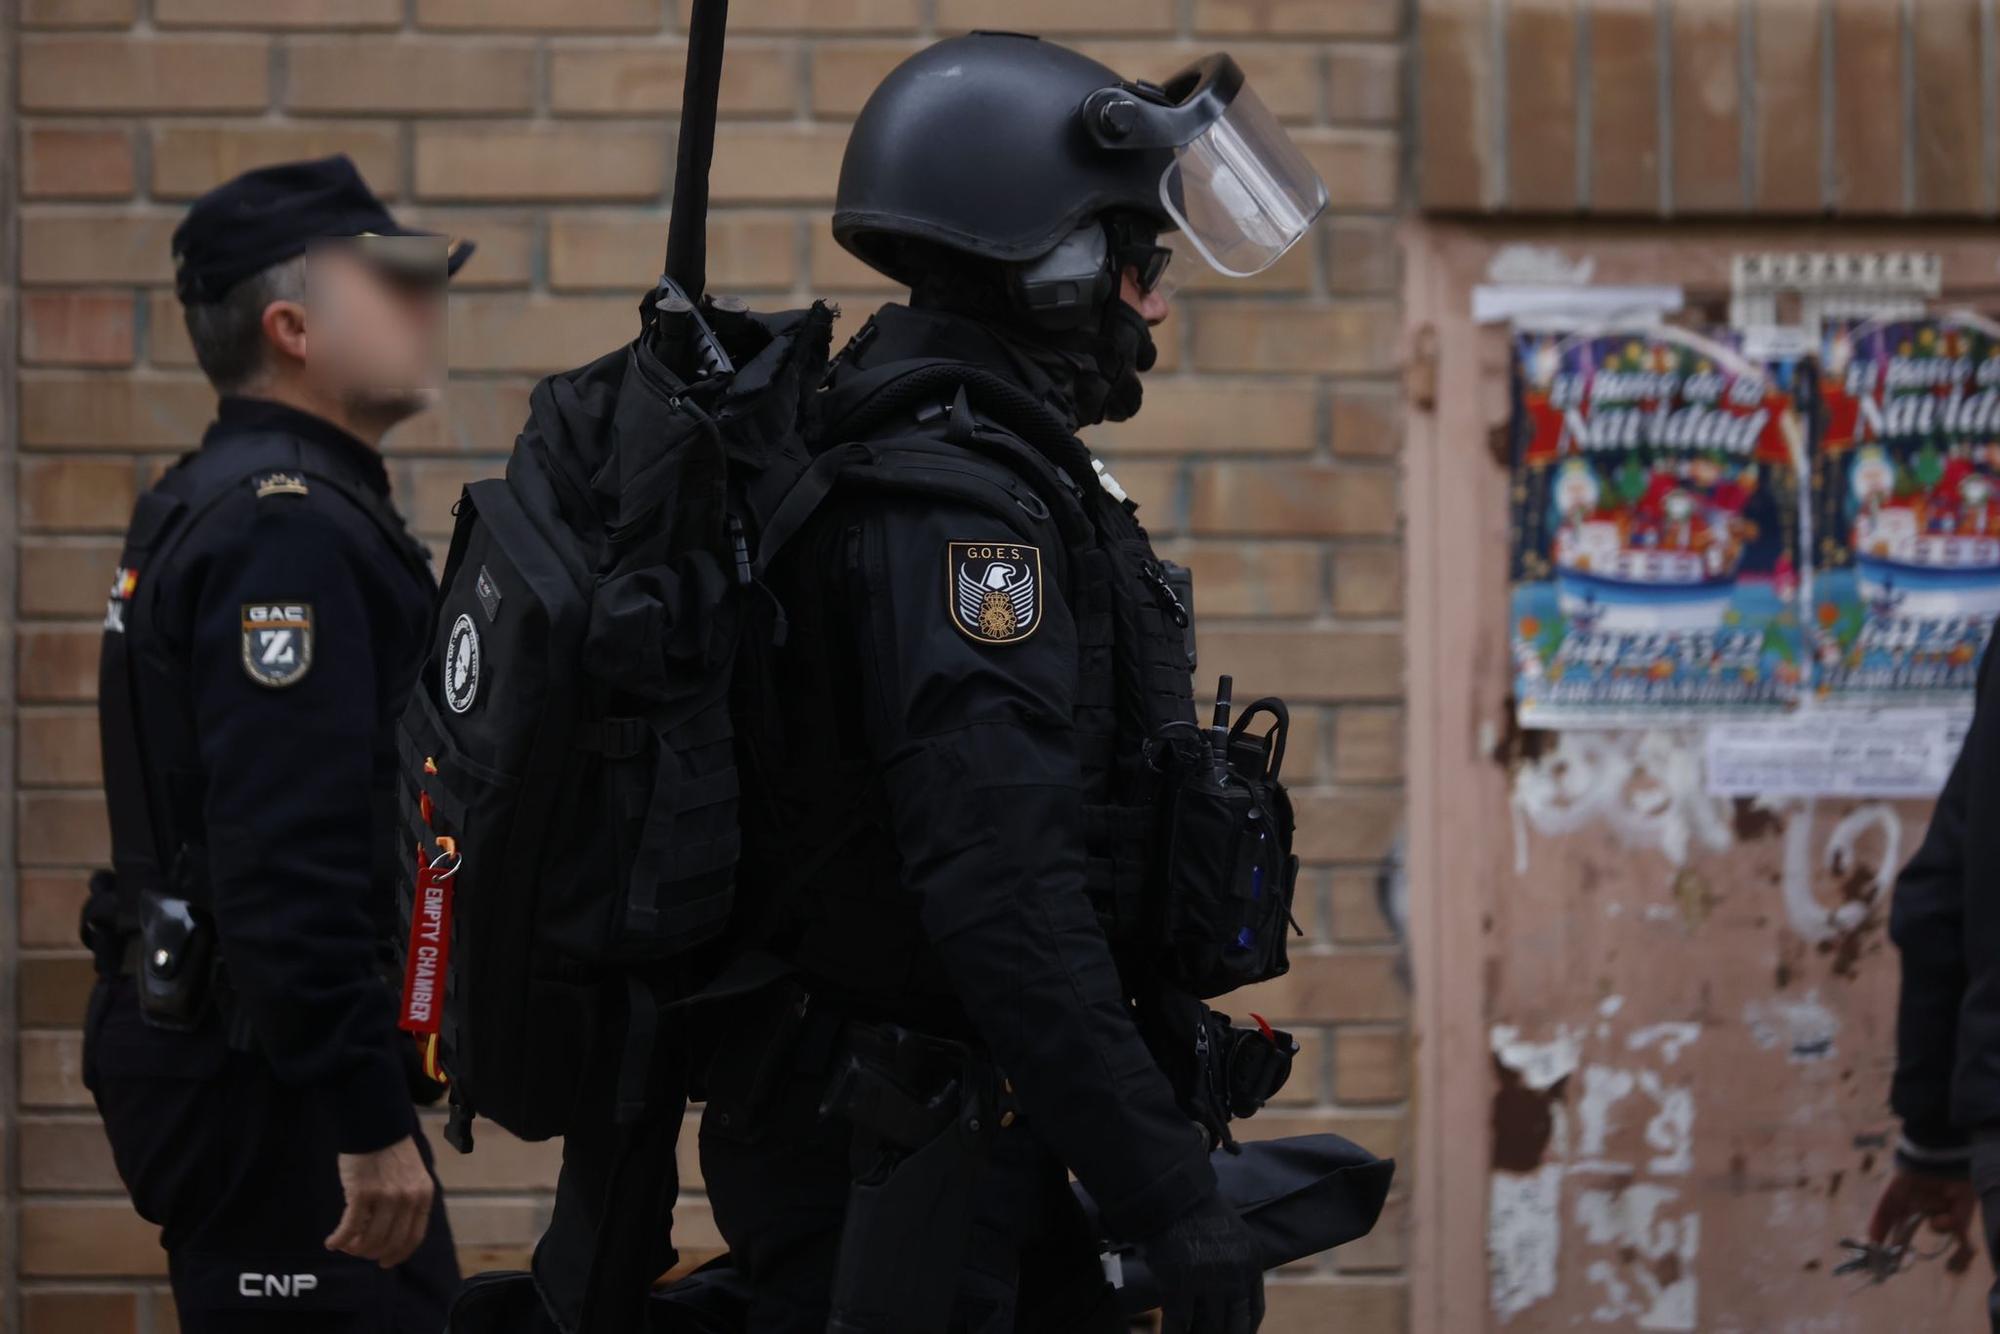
x=570 y=821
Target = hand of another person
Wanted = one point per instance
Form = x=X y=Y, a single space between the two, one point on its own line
x=388 y=1204
x=1914 y=1198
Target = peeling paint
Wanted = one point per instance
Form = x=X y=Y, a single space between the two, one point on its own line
x=1653 y=1282
x=1523 y=1239
x=1646 y=786
x=1805 y=1028
x=1671 y=1038
x=1805 y=914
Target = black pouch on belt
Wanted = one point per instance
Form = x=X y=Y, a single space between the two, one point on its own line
x=920 y=1136
x=176 y=962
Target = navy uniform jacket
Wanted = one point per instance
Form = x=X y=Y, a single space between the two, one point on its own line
x=964 y=909
x=273 y=648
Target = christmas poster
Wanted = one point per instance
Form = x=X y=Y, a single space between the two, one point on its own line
x=1656 y=528
x=1906 y=508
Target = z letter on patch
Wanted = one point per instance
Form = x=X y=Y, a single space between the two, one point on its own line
x=995 y=590
x=277 y=642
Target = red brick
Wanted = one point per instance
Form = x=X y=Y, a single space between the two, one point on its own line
x=845 y=73
x=769 y=164
x=542 y=334
x=51 y=903
x=1625 y=107
x=88 y=1239
x=71 y=162
x=434 y=487
x=1790 y=43
x=553 y=162
x=1314 y=18
x=1371 y=1064
x=58 y=664
x=1367 y=744
x=1950 y=165
x=52 y=1070
x=1293 y=273
x=57 y=1312
x=87 y=494
x=382 y=75
x=54 y=988
x=1364 y=84
x=834 y=269
x=67 y=245
x=1367 y=580
x=1364 y=256
x=1254 y=579
x=479 y=416
x=1457 y=107
x=1359 y=337
x=1292 y=500
x=191 y=159
x=76 y=328
x=142 y=73
x=1708 y=107
x=1313 y=1307
x=1308 y=664
x=541 y=16
x=1346 y=824
x=78 y=13
x=1367 y=423
x=66 y=1154
x=1541 y=108
x=59 y=746
x=617 y=251
x=1208 y=415
x=97 y=409
x=1383 y=1250
x=1867 y=129
x=507 y=243
x=289 y=14
x=1062 y=16
x=821 y=15
x=1362 y=168
x=1350 y=986
x=628 y=80
x=1286 y=75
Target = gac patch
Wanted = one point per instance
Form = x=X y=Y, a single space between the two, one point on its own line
x=277 y=642
x=996 y=590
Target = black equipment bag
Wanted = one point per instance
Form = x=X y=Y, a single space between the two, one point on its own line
x=568 y=754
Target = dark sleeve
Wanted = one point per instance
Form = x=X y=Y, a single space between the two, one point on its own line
x=1976 y=1078
x=977 y=744
x=288 y=813
x=1926 y=920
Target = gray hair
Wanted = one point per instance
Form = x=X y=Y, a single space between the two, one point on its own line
x=228 y=335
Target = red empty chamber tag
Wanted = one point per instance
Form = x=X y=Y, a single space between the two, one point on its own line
x=430 y=944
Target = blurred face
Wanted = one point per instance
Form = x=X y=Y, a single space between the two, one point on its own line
x=374 y=328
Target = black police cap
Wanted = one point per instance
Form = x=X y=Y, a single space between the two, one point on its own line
x=276 y=213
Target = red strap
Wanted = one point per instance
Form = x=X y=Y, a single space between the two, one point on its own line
x=430 y=949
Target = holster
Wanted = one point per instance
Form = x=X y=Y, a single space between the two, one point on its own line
x=922 y=1119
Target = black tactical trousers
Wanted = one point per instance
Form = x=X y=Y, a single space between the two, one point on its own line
x=1986 y=1181
x=239 y=1173
x=778 y=1182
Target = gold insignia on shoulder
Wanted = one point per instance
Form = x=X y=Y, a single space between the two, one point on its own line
x=280 y=484
x=995 y=592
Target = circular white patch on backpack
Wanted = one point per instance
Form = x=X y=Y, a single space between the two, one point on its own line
x=461 y=665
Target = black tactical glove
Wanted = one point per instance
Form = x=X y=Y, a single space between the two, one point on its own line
x=1206 y=1265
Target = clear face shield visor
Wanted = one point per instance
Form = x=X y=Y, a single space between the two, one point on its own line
x=1237 y=186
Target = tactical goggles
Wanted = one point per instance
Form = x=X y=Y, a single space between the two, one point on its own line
x=1237 y=187
x=1135 y=246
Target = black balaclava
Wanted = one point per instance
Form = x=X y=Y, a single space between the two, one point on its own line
x=1095 y=369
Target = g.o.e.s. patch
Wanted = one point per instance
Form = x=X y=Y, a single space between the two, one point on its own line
x=277 y=642
x=996 y=590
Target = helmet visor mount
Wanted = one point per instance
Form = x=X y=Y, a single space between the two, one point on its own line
x=1237 y=186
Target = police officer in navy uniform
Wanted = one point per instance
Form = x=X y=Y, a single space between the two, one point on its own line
x=950 y=726
x=264 y=628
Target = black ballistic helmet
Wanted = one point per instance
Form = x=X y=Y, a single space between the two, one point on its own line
x=999 y=146
x=975 y=145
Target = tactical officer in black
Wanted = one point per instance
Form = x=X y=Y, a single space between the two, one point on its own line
x=266 y=622
x=982 y=648
x=1945 y=920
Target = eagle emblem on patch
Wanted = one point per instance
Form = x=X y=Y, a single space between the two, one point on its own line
x=996 y=590
x=277 y=642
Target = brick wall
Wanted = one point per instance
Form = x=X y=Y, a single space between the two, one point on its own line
x=1854 y=107
x=1266 y=455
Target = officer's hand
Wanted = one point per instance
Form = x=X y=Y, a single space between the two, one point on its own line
x=388 y=1204
x=1206 y=1264
x=1910 y=1198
